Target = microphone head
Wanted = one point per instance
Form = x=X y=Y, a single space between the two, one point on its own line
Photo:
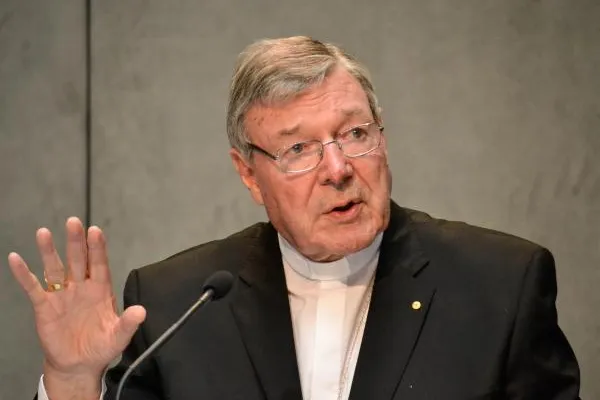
x=220 y=282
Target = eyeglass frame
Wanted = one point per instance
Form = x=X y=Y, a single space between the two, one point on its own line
x=277 y=156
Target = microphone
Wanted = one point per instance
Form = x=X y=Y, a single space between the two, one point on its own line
x=217 y=286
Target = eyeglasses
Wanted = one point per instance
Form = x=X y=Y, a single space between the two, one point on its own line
x=355 y=142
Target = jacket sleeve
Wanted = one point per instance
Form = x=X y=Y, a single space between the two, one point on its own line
x=541 y=363
x=144 y=382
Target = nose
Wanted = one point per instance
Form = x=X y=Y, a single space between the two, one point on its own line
x=336 y=170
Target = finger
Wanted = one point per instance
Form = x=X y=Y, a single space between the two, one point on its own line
x=53 y=267
x=26 y=279
x=97 y=256
x=76 y=249
x=129 y=322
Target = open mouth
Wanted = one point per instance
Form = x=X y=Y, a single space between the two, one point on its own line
x=344 y=207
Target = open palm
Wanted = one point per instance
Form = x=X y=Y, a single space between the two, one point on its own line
x=78 y=325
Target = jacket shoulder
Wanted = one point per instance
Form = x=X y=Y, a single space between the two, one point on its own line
x=479 y=269
x=448 y=232
x=468 y=247
x=182 y=275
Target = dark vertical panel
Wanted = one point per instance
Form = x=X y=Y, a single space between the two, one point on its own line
x=88 y=111
x=491 y=112
x=41 y=158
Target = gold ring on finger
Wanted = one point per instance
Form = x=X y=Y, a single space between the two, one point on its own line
x=56 y=287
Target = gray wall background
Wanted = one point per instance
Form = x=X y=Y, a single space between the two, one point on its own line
x=492 y=114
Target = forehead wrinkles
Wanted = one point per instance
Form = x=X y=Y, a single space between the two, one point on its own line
x=340 y=95
x=319 y=108
x=334 y=91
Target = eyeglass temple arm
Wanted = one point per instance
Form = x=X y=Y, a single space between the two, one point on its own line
x=264 y=152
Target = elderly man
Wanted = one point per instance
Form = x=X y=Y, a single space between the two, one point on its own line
x=343 y=294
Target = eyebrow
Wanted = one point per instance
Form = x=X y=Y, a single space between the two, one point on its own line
x=351 y=112
x=347 y=112
x=288 y=131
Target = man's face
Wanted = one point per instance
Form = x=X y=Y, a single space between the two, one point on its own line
x=304 y=207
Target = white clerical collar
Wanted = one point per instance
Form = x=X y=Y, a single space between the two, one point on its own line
x=328 y=271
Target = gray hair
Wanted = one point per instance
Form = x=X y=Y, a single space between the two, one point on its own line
x=272 y=71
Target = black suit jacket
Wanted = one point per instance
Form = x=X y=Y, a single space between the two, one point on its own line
x=486 y=329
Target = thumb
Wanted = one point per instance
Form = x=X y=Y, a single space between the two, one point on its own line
x=128 y=324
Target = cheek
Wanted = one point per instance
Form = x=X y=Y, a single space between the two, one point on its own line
x=375 y=176
x=292 y=196
x=301 y=195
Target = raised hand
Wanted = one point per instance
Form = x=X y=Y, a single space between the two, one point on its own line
x=75 y=311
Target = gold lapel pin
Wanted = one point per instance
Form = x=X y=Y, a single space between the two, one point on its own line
x=416 y=305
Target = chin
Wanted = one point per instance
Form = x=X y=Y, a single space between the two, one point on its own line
x=329 y=240
x=345 y=241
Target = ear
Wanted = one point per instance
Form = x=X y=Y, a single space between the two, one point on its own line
x=383 y=137
x=246 y=172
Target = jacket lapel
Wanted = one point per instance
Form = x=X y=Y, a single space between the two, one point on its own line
x=261 y=310
x=397 y=312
